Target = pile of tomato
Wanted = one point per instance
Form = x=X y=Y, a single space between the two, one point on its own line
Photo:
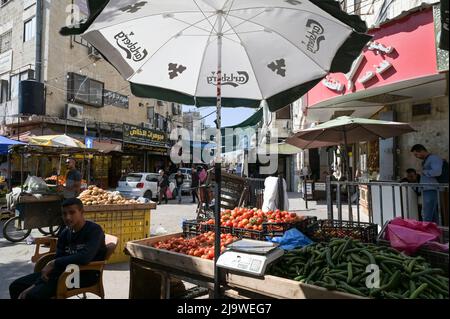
x=200 y=246
x=253 y=219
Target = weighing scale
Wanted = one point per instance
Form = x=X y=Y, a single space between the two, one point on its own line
x=250 y=256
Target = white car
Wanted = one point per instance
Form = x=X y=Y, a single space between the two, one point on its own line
x=136 y=185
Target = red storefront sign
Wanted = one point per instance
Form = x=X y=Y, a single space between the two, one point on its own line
x=401 y=50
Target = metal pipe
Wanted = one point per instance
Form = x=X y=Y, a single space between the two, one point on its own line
x=393 y=198
x=439 y=205
x=218 y=162
x=338 y=200
x=381 y=204
x=39 y=28
x=329 y=197
x=401 y=201
x=357 y=205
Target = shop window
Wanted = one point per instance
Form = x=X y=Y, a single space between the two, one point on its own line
x=29 y=29
x=284 y=113
x=5 y=41
x=84 y=90
x=421 y=109
x=4 y=89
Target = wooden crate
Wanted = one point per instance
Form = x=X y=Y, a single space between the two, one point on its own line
x=270 y=286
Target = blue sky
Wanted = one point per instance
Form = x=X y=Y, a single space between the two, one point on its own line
x=230 y=116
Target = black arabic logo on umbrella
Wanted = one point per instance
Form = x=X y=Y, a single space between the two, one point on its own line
x=133 y=50
x=314 y=35
x=133 y=8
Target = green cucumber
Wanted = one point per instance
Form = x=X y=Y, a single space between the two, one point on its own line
x=427 y=271
x=350 y=289
x=328 y=257
x=350 y=272
x=369 y=256
x=417 y=292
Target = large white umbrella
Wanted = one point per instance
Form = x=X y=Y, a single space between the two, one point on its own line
x=269 y=49
x=224 y=52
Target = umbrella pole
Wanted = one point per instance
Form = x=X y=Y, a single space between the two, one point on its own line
x=218 y=160
x=349 y=177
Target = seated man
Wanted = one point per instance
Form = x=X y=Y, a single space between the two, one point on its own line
x=80 y=243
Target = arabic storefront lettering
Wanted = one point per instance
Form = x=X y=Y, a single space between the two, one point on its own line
x=137 y=135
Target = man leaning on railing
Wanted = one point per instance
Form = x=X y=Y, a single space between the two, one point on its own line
x=434 y=170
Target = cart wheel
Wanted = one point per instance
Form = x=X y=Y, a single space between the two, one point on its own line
x=13 y=230
x=44 y=231
x=54 y=230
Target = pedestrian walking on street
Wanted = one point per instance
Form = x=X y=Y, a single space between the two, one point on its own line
x=179 y=180
x=434 y=170
x=194 y=184
x=163 y=184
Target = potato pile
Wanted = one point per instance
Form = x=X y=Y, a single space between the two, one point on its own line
x=97 y=196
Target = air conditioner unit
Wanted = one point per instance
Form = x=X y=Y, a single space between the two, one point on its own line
x=74 y=112
x=94 y=53
x=147 y=125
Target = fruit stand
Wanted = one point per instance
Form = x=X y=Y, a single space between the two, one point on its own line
x=334 y=266
x=126 y=219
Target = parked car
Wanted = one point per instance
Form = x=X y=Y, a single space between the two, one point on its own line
x=185 y=188
x=139 y=185
x=187 y=171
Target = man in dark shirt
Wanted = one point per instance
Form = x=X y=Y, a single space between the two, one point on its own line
x=179 y=180
x=194 y=184
x=163 y=184
x=73 y=180
x=80 y=243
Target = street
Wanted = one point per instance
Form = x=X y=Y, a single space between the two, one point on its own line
x=16 y=258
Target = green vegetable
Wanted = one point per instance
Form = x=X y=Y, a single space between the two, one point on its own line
x=350 y=289
x=369 y=255
x=417 y=292
x=350 y=272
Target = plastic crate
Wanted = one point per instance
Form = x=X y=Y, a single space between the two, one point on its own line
x=307 y=226
x=192 y=228
x=248 y=233
x=126 y=225
x=437 y=259
x=327 y=229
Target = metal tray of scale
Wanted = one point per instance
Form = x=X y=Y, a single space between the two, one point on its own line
x=251 y=246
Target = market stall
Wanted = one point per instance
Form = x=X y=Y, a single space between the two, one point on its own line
x=36 y=199
x=126 y=219
x=334 y=266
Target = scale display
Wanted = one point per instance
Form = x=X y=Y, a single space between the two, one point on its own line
x=250 y=256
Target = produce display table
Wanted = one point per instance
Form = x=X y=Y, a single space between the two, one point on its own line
x=148 y=262
x=127 y=222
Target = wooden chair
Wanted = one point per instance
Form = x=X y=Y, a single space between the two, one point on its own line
x=62 y=292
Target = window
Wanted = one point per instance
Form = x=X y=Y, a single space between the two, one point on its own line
x=29 y=30
x=174 y=109
x=15 y=81
x=84 y=90
x=4 y=89
x=5 y=41
x=284 y=113
x=160 y=103
x=78 y=39
x=150 y=113
x=421 y=109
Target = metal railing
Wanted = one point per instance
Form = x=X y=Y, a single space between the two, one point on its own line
x=255 y=189
x=378 y=202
